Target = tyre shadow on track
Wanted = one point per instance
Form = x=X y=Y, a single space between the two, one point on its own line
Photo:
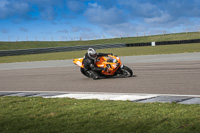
x=116 y=77
x=124 y=77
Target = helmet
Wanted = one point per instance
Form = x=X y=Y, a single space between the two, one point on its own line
x=92 y=53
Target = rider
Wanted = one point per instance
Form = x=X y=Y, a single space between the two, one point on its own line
x=90 y=61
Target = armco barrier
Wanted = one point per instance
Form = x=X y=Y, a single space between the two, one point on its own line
x=163 y=43
x=58 y=49
x=138 y=44
x=85 y=47
x=178 y=42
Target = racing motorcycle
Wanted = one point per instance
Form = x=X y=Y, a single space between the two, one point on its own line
x=113 y=64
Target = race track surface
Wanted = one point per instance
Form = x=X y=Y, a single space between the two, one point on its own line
x=159 y=74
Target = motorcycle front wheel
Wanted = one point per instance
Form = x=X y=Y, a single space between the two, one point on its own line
x=126 y=71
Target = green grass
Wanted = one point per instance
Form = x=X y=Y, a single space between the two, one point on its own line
x=45 y=44
x=128 y=51
x=33 y=115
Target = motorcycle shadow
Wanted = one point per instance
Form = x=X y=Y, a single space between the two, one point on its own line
x=116 y=77
x=124 y=77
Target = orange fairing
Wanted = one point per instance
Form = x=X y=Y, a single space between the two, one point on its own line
x=111 y=62
x=78 y=62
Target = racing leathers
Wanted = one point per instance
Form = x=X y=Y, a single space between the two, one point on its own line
x=91 y=69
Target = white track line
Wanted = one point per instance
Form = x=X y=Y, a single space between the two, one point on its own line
x=105 y=96
x=102 y=95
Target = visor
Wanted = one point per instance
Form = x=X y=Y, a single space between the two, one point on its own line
x=94 y=55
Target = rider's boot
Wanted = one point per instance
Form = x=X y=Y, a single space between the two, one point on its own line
x=95 y=76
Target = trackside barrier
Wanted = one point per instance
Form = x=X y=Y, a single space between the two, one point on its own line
x=58 y=49
x=163 y=43
x=85 y=47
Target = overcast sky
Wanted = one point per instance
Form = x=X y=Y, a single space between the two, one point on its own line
x=90 y=19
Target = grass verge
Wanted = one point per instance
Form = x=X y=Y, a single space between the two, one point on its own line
x=31 y=115
x=128 y=51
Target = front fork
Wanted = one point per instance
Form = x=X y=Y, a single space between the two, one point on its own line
x=119 y=71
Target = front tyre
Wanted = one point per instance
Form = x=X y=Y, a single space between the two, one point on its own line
x=126 y=71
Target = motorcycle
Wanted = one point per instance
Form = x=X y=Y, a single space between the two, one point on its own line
x=113 y=64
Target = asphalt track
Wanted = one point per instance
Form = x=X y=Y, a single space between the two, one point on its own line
x=153 y=74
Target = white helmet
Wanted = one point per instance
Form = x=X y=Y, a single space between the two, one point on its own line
x=92 y=53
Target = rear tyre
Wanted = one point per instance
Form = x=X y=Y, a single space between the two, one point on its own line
x=126 y=72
